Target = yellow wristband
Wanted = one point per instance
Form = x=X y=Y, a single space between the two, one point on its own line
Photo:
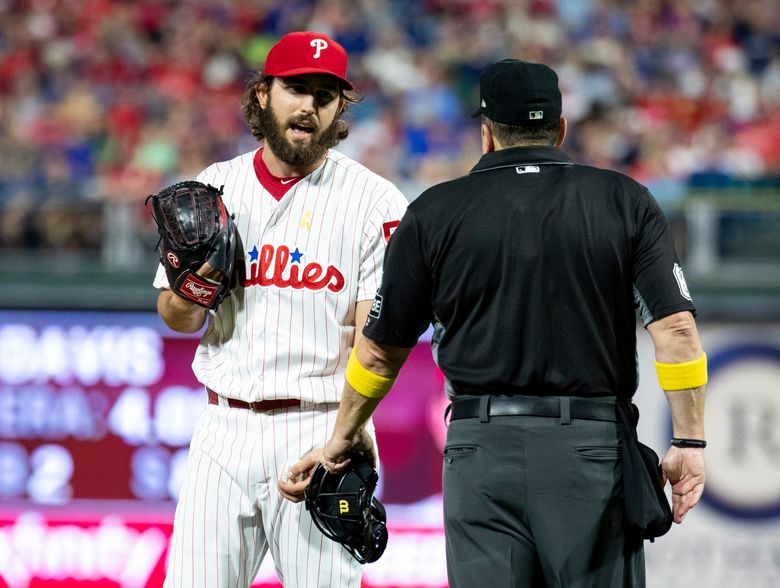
x=366 y=382
x=681 y=376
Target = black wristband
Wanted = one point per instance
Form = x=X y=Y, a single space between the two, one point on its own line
x=697 y=443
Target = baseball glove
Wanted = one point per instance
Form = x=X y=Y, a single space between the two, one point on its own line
x=343 y=507
x=195 y=228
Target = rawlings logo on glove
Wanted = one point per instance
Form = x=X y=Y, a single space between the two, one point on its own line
x=195 y=228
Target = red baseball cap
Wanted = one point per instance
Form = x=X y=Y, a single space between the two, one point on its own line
x=301 y=53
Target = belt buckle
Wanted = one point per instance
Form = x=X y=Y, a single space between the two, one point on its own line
x=255 y=407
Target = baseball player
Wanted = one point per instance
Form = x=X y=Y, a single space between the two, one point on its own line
x=313 y=226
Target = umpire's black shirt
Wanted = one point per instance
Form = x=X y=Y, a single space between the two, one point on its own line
x=530 y=268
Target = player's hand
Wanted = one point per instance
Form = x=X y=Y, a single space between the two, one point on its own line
x=297 y=479
x=208 y=271
x=684 y=468
x=182 y=305
x=335 y=454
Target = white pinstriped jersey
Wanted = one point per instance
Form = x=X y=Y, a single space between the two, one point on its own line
x=287 y=328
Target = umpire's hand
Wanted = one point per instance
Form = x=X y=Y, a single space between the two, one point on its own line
x=335 y=454
x=684 y=468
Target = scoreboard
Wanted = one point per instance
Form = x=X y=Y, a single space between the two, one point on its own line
x=99 y=411
x=96 y=406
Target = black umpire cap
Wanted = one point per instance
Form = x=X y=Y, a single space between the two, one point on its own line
x=518 y=92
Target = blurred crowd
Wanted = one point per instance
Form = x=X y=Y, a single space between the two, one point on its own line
x=110 y=100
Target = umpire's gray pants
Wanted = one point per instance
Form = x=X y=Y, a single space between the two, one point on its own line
x=531 y=502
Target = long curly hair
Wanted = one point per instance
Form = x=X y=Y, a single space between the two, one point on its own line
x=252 y=111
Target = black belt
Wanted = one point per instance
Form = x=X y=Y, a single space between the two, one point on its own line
x=544 y=406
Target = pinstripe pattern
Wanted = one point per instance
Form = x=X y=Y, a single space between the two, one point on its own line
x=230 y=513
x=277 y=338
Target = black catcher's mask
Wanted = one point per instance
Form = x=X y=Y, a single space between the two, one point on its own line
x=344 y=508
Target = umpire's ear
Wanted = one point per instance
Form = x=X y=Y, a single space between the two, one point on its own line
x=562 y=132
x=488 y=143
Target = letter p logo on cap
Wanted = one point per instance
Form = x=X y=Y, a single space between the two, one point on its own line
x=319 y=45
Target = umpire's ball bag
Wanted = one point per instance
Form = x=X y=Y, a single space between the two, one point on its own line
x=648 y=514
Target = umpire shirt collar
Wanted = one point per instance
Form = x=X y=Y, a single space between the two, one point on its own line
x=512 y=156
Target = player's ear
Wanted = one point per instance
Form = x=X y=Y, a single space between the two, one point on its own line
x=261 y=91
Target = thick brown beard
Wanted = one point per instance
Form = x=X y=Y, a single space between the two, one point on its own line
x=297 y=156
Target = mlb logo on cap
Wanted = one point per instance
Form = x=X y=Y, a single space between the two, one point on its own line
x=301 y=53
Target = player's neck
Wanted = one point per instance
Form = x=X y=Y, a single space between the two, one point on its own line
x=282 y=169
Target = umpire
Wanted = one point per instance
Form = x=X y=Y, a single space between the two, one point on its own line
x=531 y=269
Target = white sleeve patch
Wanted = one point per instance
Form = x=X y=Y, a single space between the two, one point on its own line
x=678 y=275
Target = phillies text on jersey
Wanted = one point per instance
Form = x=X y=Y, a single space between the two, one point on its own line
x=276 y=266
